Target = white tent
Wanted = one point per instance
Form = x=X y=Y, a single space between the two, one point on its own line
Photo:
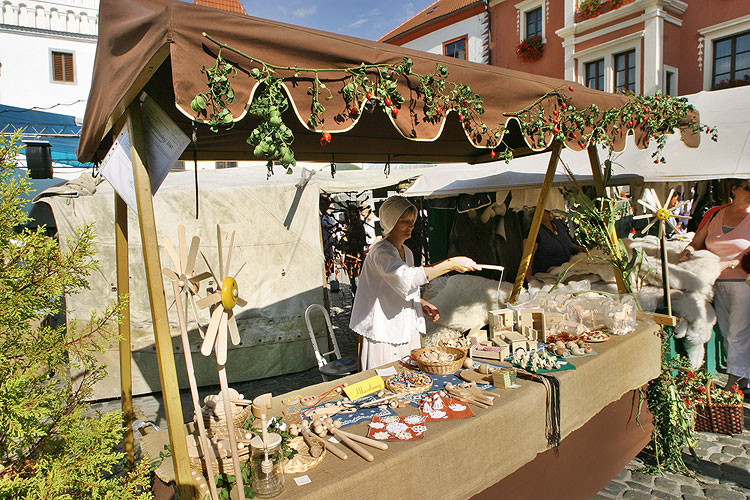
x=728 y=110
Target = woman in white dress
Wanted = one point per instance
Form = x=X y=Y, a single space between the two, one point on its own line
x=388 y=312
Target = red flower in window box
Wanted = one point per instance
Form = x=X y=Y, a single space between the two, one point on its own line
x=590 y=8
x=531 y=49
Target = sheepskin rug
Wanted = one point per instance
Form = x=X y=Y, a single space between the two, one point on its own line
x=691 y=283
x=464 y=302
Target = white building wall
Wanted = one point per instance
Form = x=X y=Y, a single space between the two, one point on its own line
x=472 y=26
x=29 y=32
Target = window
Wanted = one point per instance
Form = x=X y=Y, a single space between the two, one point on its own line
x=625 y=71
x=534 y=22
x=455 y=48
x=226 y=164
x=670 y=80
x=595 y=75
x=62 y=67
x=179 y=166
x=731 y=58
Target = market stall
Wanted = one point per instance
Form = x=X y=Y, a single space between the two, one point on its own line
x=462 y=458
x=295 y=93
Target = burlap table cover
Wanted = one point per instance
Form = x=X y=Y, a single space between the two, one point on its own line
x=460 y=458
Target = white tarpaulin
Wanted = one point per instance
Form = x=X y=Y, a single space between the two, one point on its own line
x=728 y=110
x=277 y=239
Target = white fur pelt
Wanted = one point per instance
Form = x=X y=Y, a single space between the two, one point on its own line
x=464 y=302
x=691 y=284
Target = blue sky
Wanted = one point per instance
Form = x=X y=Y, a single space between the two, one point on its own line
x=368 y=20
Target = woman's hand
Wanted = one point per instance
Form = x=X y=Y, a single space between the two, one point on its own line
x=430 y=311
x=686 y=254
x=463 y=264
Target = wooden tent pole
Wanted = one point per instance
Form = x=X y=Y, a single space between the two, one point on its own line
x=596 y=170
x=123 y=289
x=536 y=221
x=162 y=336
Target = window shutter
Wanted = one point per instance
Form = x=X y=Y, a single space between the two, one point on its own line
x=62 y=67
x=68 y=67
x=57 y=66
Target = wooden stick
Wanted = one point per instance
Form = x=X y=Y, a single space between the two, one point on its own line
x=378 y=401
x=162 y=337
x=365 y=440
x=329 y=446
x=239 y=486
x=123 y=289
x=351 y=444
x=536 y=221
x=194 y=391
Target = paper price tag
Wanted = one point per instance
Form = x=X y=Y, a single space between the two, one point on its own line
x=386 y=372
x=365 y=387
x=333 y=440
x=302 y=480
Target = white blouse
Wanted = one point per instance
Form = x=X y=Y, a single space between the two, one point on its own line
x=387 y=306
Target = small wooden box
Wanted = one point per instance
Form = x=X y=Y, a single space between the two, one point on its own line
x=504 y=377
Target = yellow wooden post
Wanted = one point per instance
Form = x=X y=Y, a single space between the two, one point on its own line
x=596 y=171
x=536 y=221
x=123 y=289
x=162 y=336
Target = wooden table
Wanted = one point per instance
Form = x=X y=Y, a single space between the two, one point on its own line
x=502 y=452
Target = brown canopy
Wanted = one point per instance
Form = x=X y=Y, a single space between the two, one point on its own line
x=158 y=46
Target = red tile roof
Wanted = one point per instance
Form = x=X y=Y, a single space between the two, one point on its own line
x=227 y=5
x=433 y=12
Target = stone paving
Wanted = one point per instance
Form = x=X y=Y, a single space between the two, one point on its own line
x=722 y=471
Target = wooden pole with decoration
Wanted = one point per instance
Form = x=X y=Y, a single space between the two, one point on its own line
x=536 y=221
x=596 y=170
x=162 y=336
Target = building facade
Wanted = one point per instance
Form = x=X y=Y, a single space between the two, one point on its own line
x=673 y=46
x=453 y=28
x=47 y=54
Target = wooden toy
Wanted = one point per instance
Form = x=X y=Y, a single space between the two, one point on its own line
x=222 y=326
x=488 y=350
x=185 y=286
x=532 y=325
x=501 y=319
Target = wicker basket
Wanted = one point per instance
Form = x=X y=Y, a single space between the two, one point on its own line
x=440 y=368
x=465 y=349
x=722 y=419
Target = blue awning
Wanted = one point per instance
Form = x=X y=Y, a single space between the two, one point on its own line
x=61 y=131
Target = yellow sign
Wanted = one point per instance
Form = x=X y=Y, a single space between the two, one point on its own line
x=365 y=387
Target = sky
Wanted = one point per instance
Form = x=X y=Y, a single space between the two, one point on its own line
x=368 y=20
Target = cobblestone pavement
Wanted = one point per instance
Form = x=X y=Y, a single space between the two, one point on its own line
x=721 y=473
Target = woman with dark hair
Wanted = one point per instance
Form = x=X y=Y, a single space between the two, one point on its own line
x=727 y=235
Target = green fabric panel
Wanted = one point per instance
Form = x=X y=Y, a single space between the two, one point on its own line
x=440 y=222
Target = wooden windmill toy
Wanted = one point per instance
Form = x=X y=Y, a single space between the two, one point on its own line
x=185 y=286
x=222 y=325
x=662 y=214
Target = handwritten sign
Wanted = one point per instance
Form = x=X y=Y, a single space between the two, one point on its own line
x=364 y=388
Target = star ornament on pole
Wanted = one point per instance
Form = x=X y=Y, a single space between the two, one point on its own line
x=660 y=213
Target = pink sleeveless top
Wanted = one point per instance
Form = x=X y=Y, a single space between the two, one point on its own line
x=729 y=246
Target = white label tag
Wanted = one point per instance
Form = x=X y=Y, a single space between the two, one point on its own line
x=386 y=372
x=302 y=480
x=333 y=440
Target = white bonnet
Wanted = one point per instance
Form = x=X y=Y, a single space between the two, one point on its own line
x=391 y=210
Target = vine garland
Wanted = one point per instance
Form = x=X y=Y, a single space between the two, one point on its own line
x=375 y=86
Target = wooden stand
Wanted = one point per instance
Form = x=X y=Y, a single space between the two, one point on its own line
x=162 y=336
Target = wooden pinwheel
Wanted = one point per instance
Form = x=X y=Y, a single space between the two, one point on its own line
x=662 y=214
x=221 y=325
x=185 y=284
x=222 y=303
